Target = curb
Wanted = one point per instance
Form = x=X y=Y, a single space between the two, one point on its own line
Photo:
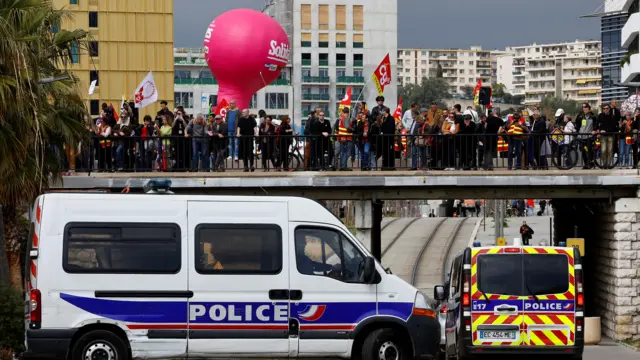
x=628 y=346
x=474 y=233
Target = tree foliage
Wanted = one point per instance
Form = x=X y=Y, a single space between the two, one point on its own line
x=550 y=104
x=468 y=90
x=37 y=115
x=430 y=90
x=499 y=91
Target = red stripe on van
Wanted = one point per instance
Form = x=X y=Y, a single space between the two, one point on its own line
x=33 y=269
x=206 y=327
x=38 y=211
x=35 y=240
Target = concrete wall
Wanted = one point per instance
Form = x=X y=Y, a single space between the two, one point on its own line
x=611 y=262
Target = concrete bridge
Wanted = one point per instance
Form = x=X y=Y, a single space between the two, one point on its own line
x=602 y=206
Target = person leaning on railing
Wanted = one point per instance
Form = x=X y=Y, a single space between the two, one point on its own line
x=585 y=123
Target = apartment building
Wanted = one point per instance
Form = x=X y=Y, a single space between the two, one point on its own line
x=630 y=73
x=613 y=18
x=337 y=44
x=128 y=41
x=197 y=89
x=461 y=67
x=566 y=70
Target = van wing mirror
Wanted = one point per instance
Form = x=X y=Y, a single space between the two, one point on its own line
x=438 y=293
x=369 y=271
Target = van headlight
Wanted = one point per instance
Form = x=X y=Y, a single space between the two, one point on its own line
x=421 y=306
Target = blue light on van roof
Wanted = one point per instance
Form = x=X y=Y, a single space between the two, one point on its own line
x=158 y=185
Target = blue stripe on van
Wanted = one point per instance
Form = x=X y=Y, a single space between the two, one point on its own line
x=162 y=312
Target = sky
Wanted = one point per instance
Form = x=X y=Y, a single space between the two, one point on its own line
x=492 y=24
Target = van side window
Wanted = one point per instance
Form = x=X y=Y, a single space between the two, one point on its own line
x=455 y=275
x=115 y=248
x=238 y=249
x=326 y=252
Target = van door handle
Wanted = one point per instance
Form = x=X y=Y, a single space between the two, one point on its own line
x=295 y=295
x=279 y=294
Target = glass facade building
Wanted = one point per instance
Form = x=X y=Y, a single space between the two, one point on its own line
x=612 y=54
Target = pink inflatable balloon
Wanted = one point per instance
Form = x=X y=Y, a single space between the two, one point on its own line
x=246 y=50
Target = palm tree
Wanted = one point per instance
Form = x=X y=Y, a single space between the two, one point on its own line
x=37 y=115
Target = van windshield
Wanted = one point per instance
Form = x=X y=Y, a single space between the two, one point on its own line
x=505 y=274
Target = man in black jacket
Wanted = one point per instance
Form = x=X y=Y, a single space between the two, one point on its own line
x=321 y=132
x=607 y=126
x=493 y=125
x=377 y=110
x=538 y=131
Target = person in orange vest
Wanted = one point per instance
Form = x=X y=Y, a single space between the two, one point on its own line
x=344 y=138
x=516 y=130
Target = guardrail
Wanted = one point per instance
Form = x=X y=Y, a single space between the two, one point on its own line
x=429 y=152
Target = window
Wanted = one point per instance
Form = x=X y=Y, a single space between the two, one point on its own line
x=519 y=275
x=93 y=19
x=323 y=72
x=471 y=63
x=213 y=99
x=357 y=73
x=325 y=252
x=461 y=71
x=306 y=72
x=341 y=17
x=205 y=74
x=407 y=52
x=471 y=80
x=75 y=52
x=358 y=41
x=254 y=102
x=181 y=74
x=460 y=62
x=94 y=107
x=340 y=72
x=424 y=53
x=122 y=248
x=93 y=48
x=94 y=75
x=184 y=99
x=305 y=16
x=238 y=249
x=323 y=17
x=358 y=17
x=73 y=2
x=323 y=40
x=423 y=62
x=276 y=100
x=341 y=40
x=306 y=40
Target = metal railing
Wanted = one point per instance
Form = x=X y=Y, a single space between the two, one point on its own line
x=429 y=152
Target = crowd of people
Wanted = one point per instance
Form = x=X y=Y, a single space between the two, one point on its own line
x=369 y=139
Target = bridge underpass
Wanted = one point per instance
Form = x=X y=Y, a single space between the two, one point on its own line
x=603 y=205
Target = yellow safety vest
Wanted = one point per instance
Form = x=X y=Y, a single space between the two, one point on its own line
x=343 y=133
x=515 y=129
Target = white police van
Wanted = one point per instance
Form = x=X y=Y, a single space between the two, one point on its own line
x=139 y=276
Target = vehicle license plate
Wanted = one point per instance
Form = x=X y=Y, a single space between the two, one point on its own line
x=498 y=335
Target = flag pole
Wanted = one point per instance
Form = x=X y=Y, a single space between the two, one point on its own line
x=360 y=95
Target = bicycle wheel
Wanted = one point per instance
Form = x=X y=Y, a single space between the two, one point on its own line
x=598 y=160
x=294 y=162
x=565 y=157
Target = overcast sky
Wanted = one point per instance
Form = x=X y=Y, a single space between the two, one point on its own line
x=493 y=24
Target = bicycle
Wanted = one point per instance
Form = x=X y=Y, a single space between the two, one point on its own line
x=295 y=157
x=566 y=155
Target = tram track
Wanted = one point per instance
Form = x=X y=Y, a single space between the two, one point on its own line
x=398 y=236
x=416 y=264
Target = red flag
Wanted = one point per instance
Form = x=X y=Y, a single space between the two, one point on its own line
x=346 y=101
x=398 y=113
x=116 y=115
x=382 y=75
x=476 y=92
x=222 y=108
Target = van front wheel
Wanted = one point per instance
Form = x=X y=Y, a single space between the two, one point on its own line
x=384 y=344
x=99 y=345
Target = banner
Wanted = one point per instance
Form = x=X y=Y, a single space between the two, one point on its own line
x=382 y=75
x=345 y=102
x=222 y=108
x=476 y=92
x=146 y=93
x=398 y=113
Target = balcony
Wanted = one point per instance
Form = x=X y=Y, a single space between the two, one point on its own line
x=306 y=62
x=358 y=63
x=341 y=63
x=630 y=30
x=280 y=82
x=305 y=44
x=341 y=44
x=323 y=44
x=358 y=45
x=350 y=80
x=316 y=97
x=315 y=79
x=323 y=62
x=195 y=81
x=630 y=71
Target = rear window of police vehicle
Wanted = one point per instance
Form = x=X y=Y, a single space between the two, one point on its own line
x=131 y=248
x=522 y=275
